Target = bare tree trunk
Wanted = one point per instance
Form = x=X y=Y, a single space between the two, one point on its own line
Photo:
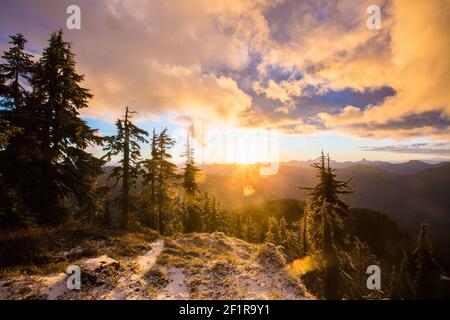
x=126 y=173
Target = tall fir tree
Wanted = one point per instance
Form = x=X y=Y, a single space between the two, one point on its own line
x=148 y=194
x=15 y=73
x=238 y=230
x=49 y=163
x=213 y=219
x=328 y=189
x=107 y=210
x=165 y=177
x=126 y=144
x=7 y=131
x=15 y=124
x=403 y=287
x=219 y=219
x=282 y=231
x=190 y=170
x=360 y=258
x=193 y=221
x=67 y=168
x=427 y=279
x=327 y=212
x=196 y=219
x=250 y=231
x=272 y=231
x=304 y=227
x=332 y=280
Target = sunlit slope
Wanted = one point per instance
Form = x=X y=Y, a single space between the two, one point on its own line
x=411 y=199
x=190 y=266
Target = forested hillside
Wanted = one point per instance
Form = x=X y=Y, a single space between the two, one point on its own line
x=410 y=199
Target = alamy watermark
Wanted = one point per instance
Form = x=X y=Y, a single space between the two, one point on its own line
x=74 y=279
x=374 y=20
x=73 y=21
x=374 y=280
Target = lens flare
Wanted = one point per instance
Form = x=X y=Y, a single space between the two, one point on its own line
x=248 y=191
x=303 y=265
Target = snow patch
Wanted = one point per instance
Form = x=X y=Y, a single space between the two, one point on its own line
x=55 y=285
x=133 y=286
x=176 y=289
x=147 y=260
x=93 y=264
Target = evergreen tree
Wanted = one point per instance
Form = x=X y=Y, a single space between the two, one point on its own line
x=7 y=131
x=327 y=212
x=250 y=233
x=165 y=177
x=282 y=231
x=196 y=219
x=293 y=247
x=15 y=81
x=125 y=143
x=190 y=170
x=330 y=255
x=272 y=231
x=193 y=219
x=238 y=227
x=67 y=168
x=361 y=257
x=304 y=231
x=107 y=210
x=328 y=190
x=404 y=279
x=2 y=85
x=15 y=73
x=47 y=162
x=92 y=211
x=427 y=280
x=222 y=219
x=15 y=141
x=212 y=220
x=148 y=194
x=394 y=293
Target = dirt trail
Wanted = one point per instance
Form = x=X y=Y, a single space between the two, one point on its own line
x=133 y=286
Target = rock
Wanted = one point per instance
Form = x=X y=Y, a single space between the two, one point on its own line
x=98 y=271
x=270 y=256
x=157 y=277
x=99 y=263
x=222 y=268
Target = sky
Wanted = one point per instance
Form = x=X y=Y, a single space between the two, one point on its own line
x=239 y=74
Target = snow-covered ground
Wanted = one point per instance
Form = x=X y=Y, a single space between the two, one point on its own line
x=194 y=266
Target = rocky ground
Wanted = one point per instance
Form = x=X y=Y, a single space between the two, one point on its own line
x=193 y=266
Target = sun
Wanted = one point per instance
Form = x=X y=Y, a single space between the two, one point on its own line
x=246 y=158
x=244 y=147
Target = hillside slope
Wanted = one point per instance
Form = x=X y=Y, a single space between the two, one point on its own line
x=194 y=266
x=410 y=199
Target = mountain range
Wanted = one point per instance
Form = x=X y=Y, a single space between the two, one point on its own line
x=406 y=168
x=411 y=193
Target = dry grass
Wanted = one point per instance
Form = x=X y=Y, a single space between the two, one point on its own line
x=45 y=250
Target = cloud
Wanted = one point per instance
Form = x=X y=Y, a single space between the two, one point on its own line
x=438 y=149
x=409 y=54
x=283 y=91
x=164 y=88
x=299 y=66
x=155 y=56
x=417 y=67
x=282 y=109
x=432 y=124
